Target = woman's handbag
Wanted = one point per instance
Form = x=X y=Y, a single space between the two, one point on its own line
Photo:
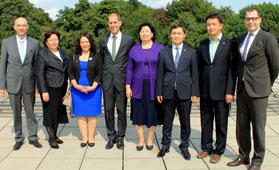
x=67 y=100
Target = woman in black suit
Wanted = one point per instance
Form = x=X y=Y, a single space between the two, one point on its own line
x=51 y=74
x=85 y=73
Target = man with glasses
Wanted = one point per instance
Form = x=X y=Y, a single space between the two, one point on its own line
x=257 y=64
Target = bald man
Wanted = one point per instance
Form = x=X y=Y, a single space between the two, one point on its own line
x=17 y=79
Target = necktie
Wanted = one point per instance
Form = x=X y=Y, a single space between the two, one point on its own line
x=113 y=50
x=177 y=56
x=244 y=55
x=21 y=50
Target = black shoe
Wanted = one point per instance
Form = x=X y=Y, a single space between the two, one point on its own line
x=59 y=141
x=110 y=144
x=162 y=152
x=120 y=144
x=18 y=145
x=139 y=148
x=91 y=144
x=239 y=161
x=53 y=144
x=149 y=147
x=185 y=153
x=35 y=143
x=83 y=144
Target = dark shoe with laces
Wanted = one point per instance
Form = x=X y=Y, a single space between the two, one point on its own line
x=110 y=144
x=35 y=143
x=59 y=141
x=163 y=152
x=239 y=161
x=18 y=145
x=120 y=144
x=185 y=153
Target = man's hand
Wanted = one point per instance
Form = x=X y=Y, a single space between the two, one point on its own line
x=229 y=98
x=3 y=92
x=160 y=99
x=194 y=99
x=45 y=96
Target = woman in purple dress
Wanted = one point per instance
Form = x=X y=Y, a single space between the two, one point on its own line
x=140 y=84
x=85 y=70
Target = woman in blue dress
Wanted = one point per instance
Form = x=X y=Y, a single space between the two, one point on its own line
x=85 y=71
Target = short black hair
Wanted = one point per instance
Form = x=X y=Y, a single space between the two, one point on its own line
x=250 y=9
x=178 y=26
x=213 y=16
x=48 y=34
x=91 y=41
x=152 y=29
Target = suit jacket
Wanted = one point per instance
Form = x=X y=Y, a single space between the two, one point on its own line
x=114 y=71
x=94 y=68
x=261 y=67
x=51 y=71
x=186 y=76
x=216 y=78
x=15 y=75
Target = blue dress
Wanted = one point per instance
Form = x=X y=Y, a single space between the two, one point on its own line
x=86 y=104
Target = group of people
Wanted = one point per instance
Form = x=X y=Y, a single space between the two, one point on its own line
x=157 y=79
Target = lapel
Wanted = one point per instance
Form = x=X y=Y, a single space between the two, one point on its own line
x=123 y=39
x=239 y=44
x=105 y=45
x=183 y=55
x=259 y=34
x=170 y=56
x=28 y=49
x=219 y=49
x=56 y=60
x=207 y=54
x=14 y=44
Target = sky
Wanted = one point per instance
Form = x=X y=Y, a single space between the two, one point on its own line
x=53 y=6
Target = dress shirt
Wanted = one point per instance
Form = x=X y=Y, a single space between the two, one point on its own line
x=241 y=50
x=57 y=54
x=22 y=46
x=118 y=41
x=213 y=45
x=174 y=50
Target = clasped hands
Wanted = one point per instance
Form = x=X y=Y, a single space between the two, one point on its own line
x=85 y=89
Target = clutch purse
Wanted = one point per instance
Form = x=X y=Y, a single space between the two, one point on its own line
x=67 y=100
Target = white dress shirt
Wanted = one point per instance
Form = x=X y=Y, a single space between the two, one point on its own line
x=180 y=47
x=241 y=50
x=22 y=46
x=118 y=41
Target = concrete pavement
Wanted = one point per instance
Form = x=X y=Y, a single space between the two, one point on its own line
x=71 y=157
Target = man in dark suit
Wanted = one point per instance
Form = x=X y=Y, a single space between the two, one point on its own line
x=216 y=88
x=17 y=78
x=177 y=85
x=114 y=49
x=257 y=68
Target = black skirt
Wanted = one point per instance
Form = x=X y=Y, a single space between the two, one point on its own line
x=145 y=111
x=54 y=112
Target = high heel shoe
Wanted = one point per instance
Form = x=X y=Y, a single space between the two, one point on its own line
x=92 y=144
x=149 y=147
x=82 y=144
x=53 y=144
x=139 y=148
x=59 y=141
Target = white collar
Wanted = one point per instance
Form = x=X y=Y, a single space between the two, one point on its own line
x=179 y=47
x=18 y=39
x=119 y=34
x=254 y=32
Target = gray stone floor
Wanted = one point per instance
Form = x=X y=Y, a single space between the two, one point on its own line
x=71 y=157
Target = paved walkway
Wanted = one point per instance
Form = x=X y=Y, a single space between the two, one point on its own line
x=71 y=157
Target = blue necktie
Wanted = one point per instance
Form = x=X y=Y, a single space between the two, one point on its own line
x=22 y=51
x=177 y=56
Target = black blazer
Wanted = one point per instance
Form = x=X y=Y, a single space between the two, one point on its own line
x=94 y=68
x=261 y=67
x=50 y=71
x=186 y=75
x=114 y=72
x=216 y=78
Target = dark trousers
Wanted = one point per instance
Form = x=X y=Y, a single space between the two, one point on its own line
x=219 y=110
x=184 y=109
x=111 y=97
x=251 y=110
x=16 y=105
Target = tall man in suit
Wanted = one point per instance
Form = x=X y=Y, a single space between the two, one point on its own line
x=177 y=85
x=216 y=88
x=17 y=78
x=114 y=49
x=257 y=68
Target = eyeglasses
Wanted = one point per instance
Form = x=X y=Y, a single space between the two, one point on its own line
x=251 y=18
